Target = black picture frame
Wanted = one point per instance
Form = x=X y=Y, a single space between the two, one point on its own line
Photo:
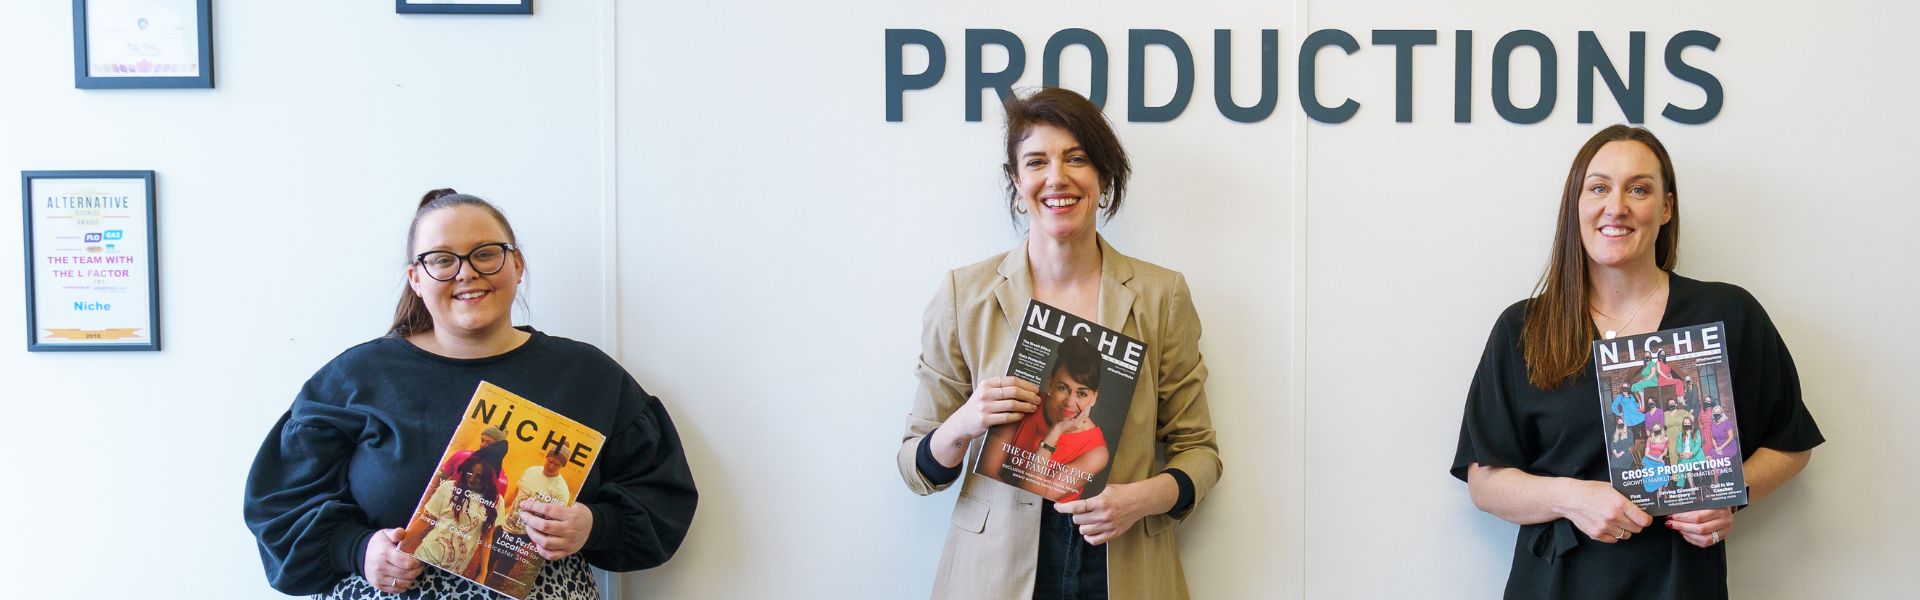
x=83 y=77
x=525 y=7
x=150 y=264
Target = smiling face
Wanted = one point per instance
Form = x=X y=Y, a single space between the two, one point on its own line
x=1623 y=203
x=470 y=304
x=1067 y=397
x=1057 y=183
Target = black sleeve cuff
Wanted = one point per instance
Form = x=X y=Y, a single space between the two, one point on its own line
x=1185 y=502
x=930 y=468
x=350 y=551
x=601 y=536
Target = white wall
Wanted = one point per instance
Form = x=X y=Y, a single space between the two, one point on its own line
x=283 y=202
x=776 y=241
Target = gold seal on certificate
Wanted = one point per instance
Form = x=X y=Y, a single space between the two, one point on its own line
x=91 y=282
x=142 y=44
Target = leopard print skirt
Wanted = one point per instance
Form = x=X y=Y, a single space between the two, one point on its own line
x=564 y=579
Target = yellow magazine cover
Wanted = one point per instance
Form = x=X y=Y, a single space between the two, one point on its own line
x=506 y=450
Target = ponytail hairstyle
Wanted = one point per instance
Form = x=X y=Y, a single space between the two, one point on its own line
x=1557 y=339
x=411 y=316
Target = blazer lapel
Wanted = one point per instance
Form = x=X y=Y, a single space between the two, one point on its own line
x=1015 y=288
x=1116 y=299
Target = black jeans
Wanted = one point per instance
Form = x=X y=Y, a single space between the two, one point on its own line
x=1069 y=568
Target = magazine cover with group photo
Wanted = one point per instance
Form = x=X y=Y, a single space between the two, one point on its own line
x=507 y=450
x=1086 y=374
x=1667 y=401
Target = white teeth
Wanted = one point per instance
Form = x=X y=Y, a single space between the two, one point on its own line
x=1061 y=202
x=1614 y=230
x=468 y=295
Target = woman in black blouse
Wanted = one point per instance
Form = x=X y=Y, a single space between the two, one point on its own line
x=1531 y=442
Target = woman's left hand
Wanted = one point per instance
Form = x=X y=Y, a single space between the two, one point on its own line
x=1702 y=528
x=557 y=530
x=1110 y=514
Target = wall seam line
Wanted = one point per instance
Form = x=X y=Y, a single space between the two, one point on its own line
x=1303 y=14
x=610 y=585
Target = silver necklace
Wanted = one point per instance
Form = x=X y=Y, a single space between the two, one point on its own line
x=1610 y=334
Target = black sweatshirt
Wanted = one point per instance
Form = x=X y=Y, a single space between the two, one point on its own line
x=363 y=437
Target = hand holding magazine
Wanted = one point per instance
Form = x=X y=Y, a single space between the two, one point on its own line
x=1666 y=399
x=506 y=451
x=1062 y=451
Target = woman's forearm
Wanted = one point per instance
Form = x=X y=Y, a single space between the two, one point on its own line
x=1514 y=495
x=1769 y=469
x=948 y=447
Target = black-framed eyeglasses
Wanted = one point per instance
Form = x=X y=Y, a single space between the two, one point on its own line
x=485 y=259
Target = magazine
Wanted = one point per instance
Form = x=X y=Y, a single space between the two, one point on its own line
x=1666 y=401
x=506 y=450
x=1086 y=374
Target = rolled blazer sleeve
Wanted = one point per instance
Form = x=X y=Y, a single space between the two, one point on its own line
x=945 y=383
x=1185 y=425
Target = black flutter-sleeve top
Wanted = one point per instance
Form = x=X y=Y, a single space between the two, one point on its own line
x=1559 y=433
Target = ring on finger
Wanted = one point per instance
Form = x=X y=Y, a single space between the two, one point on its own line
x=1715 y=536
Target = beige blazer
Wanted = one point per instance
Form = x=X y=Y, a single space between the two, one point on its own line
x=968 y=335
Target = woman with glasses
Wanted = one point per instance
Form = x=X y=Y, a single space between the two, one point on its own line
x=339 y=476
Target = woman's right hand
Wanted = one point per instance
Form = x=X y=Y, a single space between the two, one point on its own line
x=1079 y=421
x=1601 y=512
x=996 y=401
x=386 y=567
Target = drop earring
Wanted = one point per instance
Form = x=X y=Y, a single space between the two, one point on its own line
x=1106 y=199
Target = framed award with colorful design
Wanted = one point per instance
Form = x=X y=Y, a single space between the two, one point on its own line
x=483 y=7
x=120 y=44
x=91 y=283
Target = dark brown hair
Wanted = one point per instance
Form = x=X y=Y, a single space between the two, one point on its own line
x=411 y=316
x=1557 y=339
x=1080 y=360
x=1072 y=112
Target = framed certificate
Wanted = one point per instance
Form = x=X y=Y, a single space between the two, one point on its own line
x=91 y=283
x=142 y=44
x=484 y=7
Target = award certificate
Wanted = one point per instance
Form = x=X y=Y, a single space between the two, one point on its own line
x=143 y=38
x=90 y=253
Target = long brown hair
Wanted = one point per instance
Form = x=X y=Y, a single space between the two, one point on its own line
x=1557 y=339
x=411 y=316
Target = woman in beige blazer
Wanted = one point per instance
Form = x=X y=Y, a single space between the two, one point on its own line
x=1064 y=165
